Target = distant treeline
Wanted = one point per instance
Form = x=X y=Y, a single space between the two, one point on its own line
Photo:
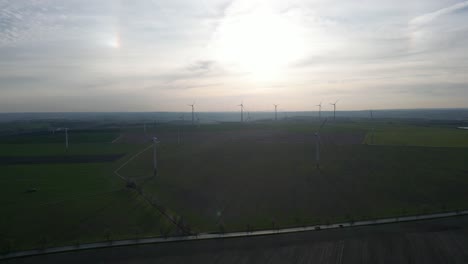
x=57 y=119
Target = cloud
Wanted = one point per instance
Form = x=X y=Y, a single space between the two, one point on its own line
x=27 y=21
x=442 y=31
x=429 y=17
x=53 y=48
x=201 y=65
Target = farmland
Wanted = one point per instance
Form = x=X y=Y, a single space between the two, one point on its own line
x=404 y=135
x=227 y=177
x=224 y=177
x=59 y=199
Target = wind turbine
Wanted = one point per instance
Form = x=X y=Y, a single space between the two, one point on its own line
x=334 y=109
x=182 y=118
x=276 y=112
x=198 y=120
x=155 y=160
x=317 y=144
x=66 y=137
x=193 y=110
x=178 y=135
x=242 y=111
x=320 y=110
x=373 y=129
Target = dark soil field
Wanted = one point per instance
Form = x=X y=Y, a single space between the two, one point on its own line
x=192 y=135
x=10 y=160
x=78 y=135
x=258 y=176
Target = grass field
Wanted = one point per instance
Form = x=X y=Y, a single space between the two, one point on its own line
x=71 y=203
x=407 y=135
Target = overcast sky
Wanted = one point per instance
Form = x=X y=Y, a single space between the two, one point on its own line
x=160 y=55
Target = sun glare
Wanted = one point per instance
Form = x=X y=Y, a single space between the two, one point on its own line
x=261 y=43
x=114 y=43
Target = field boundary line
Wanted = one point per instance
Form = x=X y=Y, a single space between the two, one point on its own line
x=117 y=138
x=158 y=207
x=128 y=161
x=206 y=236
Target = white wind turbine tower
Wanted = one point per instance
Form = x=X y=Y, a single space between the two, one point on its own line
x=155 y=159
x=373 y=129
x=276 y=112
x=66 y=137
x=242 y=111
x=193 y=111
x=198 y=120
x=178 y=136
x=334 y=109
x=317 y=144
x=320 y=110
x=182 y=117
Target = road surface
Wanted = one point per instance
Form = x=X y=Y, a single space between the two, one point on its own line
x=443 y=240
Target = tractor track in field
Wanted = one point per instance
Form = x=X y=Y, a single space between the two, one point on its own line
x=160 y=208
x=116 y=172
x=117 y=139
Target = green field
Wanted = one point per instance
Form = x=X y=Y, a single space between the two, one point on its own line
x=406 y=135
x=72 y=203
x=227 y=177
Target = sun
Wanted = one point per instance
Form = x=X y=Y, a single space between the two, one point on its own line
x=113 y=40
x=114 y=43
x=261 y=43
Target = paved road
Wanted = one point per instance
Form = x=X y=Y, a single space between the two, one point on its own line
x=441 y=240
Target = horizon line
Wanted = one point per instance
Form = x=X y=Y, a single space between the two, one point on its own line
x=291 y=111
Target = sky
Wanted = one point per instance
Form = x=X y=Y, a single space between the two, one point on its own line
x=161 y=55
